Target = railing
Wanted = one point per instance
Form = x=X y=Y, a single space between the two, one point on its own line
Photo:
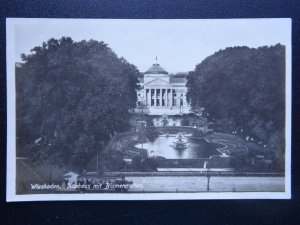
x=194 y=173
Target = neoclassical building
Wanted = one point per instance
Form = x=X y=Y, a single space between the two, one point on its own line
x=162 y=93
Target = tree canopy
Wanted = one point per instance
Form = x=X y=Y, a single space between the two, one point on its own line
x=179 y=75
x=243 y=88
x=71 y=98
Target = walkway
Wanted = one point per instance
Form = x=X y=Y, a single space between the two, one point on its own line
x=199 y=184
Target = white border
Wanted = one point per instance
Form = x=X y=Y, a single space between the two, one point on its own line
x=11 y=144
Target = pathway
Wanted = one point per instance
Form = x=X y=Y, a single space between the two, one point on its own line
x=199 y=184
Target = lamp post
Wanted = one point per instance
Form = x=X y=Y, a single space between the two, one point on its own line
x=207 y=175
x=208 y=180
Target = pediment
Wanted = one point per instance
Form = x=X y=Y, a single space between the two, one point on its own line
x=157 y=82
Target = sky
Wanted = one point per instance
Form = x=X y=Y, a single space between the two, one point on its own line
x=179 y=45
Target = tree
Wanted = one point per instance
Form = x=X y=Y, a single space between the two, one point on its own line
x=72 y=97
x=179 y=75
x=242 y=86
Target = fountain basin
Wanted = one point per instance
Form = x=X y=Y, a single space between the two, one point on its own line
x=164 y=146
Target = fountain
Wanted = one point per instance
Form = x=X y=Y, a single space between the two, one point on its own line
x=180 y=144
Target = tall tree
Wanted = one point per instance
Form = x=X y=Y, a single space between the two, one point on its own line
x=243 y=87
x=71 y=98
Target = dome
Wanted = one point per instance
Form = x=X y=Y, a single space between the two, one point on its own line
x=156 y=69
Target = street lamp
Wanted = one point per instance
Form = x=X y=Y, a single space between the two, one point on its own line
x=207 y=174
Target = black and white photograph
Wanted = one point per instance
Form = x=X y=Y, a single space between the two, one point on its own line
x=148 y=109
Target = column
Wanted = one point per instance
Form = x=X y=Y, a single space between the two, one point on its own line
x=155 y=97
x=164 y=97
x=167 y=97
x=171 y=97
x=174 y=98
x=184 y=99
x=146 y=96
x=160 y=101
x=149 y=97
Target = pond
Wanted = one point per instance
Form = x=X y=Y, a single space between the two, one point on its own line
x=167 y=147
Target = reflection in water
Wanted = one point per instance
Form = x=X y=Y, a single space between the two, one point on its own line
x=181 y=143
x=164 y=146
x=158 y=122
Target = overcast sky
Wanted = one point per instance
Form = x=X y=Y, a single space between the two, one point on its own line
x=178 y=44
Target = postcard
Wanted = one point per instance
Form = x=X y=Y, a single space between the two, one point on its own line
x=148 y=109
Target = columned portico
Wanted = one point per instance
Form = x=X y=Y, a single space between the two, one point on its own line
x=162 y=93
x=161 y=97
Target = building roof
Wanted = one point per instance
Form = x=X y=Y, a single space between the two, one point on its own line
x=177 y=80
x=173 y=80
x=156 y=69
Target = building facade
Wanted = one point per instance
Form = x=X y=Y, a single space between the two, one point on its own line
x=161 y=93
